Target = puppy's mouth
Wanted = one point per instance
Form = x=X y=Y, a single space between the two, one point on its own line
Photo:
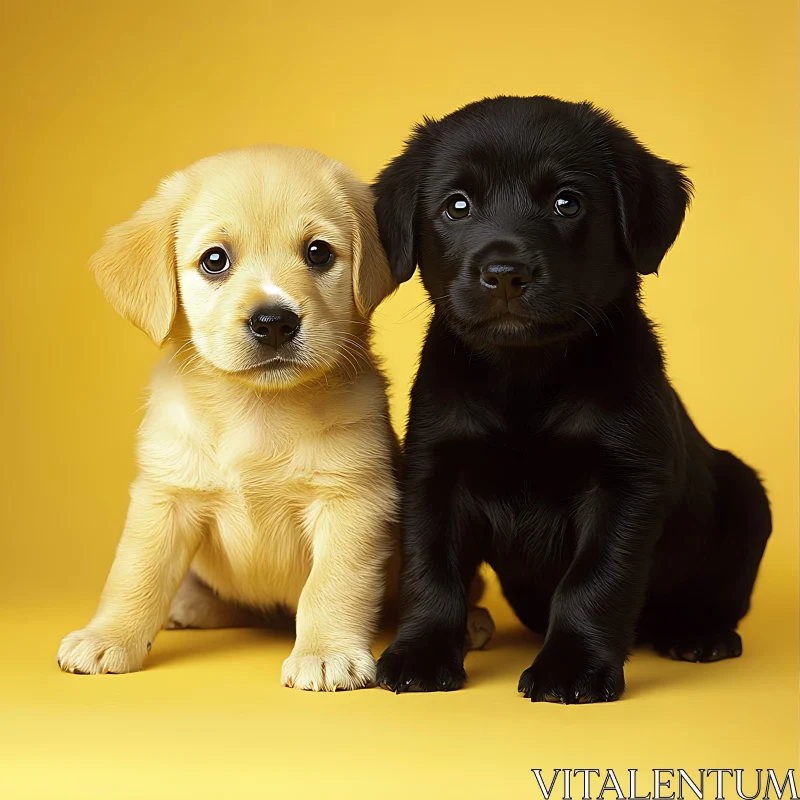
x=510 y=329
x=268 y=365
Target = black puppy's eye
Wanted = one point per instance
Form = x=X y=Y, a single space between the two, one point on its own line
x=567 y=205
x=319 y=255
x=457 y=207
x=215 y=261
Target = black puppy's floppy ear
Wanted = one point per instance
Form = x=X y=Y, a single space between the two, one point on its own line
x=652 y=196
x=397 y=191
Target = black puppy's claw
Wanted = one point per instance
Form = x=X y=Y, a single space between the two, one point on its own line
x=564 y=674
x=700 y=647
x=421 y=669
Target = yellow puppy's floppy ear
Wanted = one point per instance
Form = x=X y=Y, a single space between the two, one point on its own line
x=372 y=277
x=135 y=267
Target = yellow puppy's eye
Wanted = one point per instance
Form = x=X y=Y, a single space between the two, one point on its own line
x=215 y=261
x=319 y=255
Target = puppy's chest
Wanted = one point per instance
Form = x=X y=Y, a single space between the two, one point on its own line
x=266 y=474
x=527 y=475
x=517 y=452
x=273 y=459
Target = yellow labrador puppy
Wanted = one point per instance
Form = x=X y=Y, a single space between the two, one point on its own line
x=266 y=454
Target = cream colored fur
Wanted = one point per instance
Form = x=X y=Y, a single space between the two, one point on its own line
x=272 y=486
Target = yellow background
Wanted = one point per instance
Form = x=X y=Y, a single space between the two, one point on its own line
x=99 y=101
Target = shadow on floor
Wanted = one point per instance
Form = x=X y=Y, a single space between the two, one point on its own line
x=189 y=643
x=513 y=648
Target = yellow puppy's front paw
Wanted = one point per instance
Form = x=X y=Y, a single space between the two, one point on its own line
x=94 y=651
x=329 y=671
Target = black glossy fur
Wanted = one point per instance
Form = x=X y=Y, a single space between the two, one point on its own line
x=544 y=437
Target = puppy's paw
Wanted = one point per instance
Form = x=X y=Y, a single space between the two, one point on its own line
x=95 y=651
x=700 y=646
x=480 y=628
x=421 y=667
x=565 y=674
x=328 y=671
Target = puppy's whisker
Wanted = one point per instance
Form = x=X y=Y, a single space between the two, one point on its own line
x=585 y=319
x=591 y=309
x=621 y=312
x=601 y=312
x=195 y=369
x=430 y=303
x=359 y=356
x=195 y=361
x=348 y=321
x=330 y=361
x=354 y=340
x=426 y=302
x=357 y=343
x=179 y=351
x=351 y=359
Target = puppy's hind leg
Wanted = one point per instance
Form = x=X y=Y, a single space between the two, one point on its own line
x=197 y=605
x=699 y=623
x=480 y=629
x=480 y=625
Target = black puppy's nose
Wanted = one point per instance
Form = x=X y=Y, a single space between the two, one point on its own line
x=274 y=325
x=506 y=280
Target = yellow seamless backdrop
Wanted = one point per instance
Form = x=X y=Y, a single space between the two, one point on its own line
x=100 y=101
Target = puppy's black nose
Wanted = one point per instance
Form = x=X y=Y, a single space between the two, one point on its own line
x=506 y=280
x=274 y=325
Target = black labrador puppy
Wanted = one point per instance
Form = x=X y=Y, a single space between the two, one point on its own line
x=544 y=436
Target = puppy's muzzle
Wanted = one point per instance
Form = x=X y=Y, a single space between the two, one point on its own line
x=505 y=280
x=273 y=325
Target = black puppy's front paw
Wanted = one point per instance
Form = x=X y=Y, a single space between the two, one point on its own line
x=564 y=673
x=421 y=667
x=700 y=646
